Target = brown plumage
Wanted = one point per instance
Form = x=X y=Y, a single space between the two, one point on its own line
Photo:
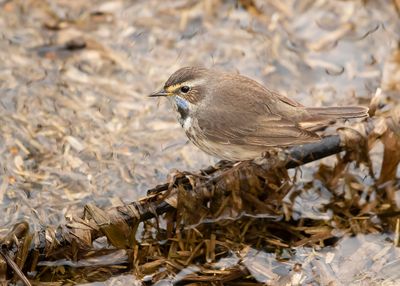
x=234 y=117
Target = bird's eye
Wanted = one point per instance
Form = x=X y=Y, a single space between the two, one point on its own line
x=185 y=89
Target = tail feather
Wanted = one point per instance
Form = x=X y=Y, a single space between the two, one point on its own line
x=338 y=112
x=320 y=117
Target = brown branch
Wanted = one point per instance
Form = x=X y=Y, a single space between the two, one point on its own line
x=163 y=198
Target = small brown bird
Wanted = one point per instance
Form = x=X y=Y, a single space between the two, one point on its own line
x=233 y=117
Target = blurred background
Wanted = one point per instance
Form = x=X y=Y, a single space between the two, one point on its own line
x=77 y=125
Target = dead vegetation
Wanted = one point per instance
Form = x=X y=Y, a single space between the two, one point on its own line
x=201 y=218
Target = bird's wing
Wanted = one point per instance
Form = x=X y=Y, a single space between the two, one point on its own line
x=240 y=128
x=250 y=114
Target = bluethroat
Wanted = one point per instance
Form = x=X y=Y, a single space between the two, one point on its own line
x=233 y=117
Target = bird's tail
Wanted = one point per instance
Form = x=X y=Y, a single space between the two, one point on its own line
x=338 y=112
x=322 y=116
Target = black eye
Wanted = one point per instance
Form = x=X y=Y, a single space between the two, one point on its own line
x=185 y=89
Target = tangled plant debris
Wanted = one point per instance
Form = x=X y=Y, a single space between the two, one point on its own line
x=201 y=218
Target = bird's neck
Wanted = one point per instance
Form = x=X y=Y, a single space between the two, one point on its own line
x=183 y=107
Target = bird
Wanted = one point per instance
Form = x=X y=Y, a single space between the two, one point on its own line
x=233 y=117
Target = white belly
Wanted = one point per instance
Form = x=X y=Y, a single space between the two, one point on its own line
x=224 y=151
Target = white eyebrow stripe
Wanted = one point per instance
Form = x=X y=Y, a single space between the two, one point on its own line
x=195 y=82
x=189 y=83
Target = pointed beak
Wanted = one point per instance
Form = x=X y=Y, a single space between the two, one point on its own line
x=161 y=92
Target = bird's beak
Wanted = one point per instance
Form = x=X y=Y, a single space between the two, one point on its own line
x=161 y=92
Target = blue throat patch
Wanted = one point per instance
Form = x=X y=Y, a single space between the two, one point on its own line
x=182 y=107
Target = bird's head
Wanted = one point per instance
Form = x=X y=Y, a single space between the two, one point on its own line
x=187 y=83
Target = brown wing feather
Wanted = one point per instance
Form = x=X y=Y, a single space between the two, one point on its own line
x=257 y=116
x=248 y=130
